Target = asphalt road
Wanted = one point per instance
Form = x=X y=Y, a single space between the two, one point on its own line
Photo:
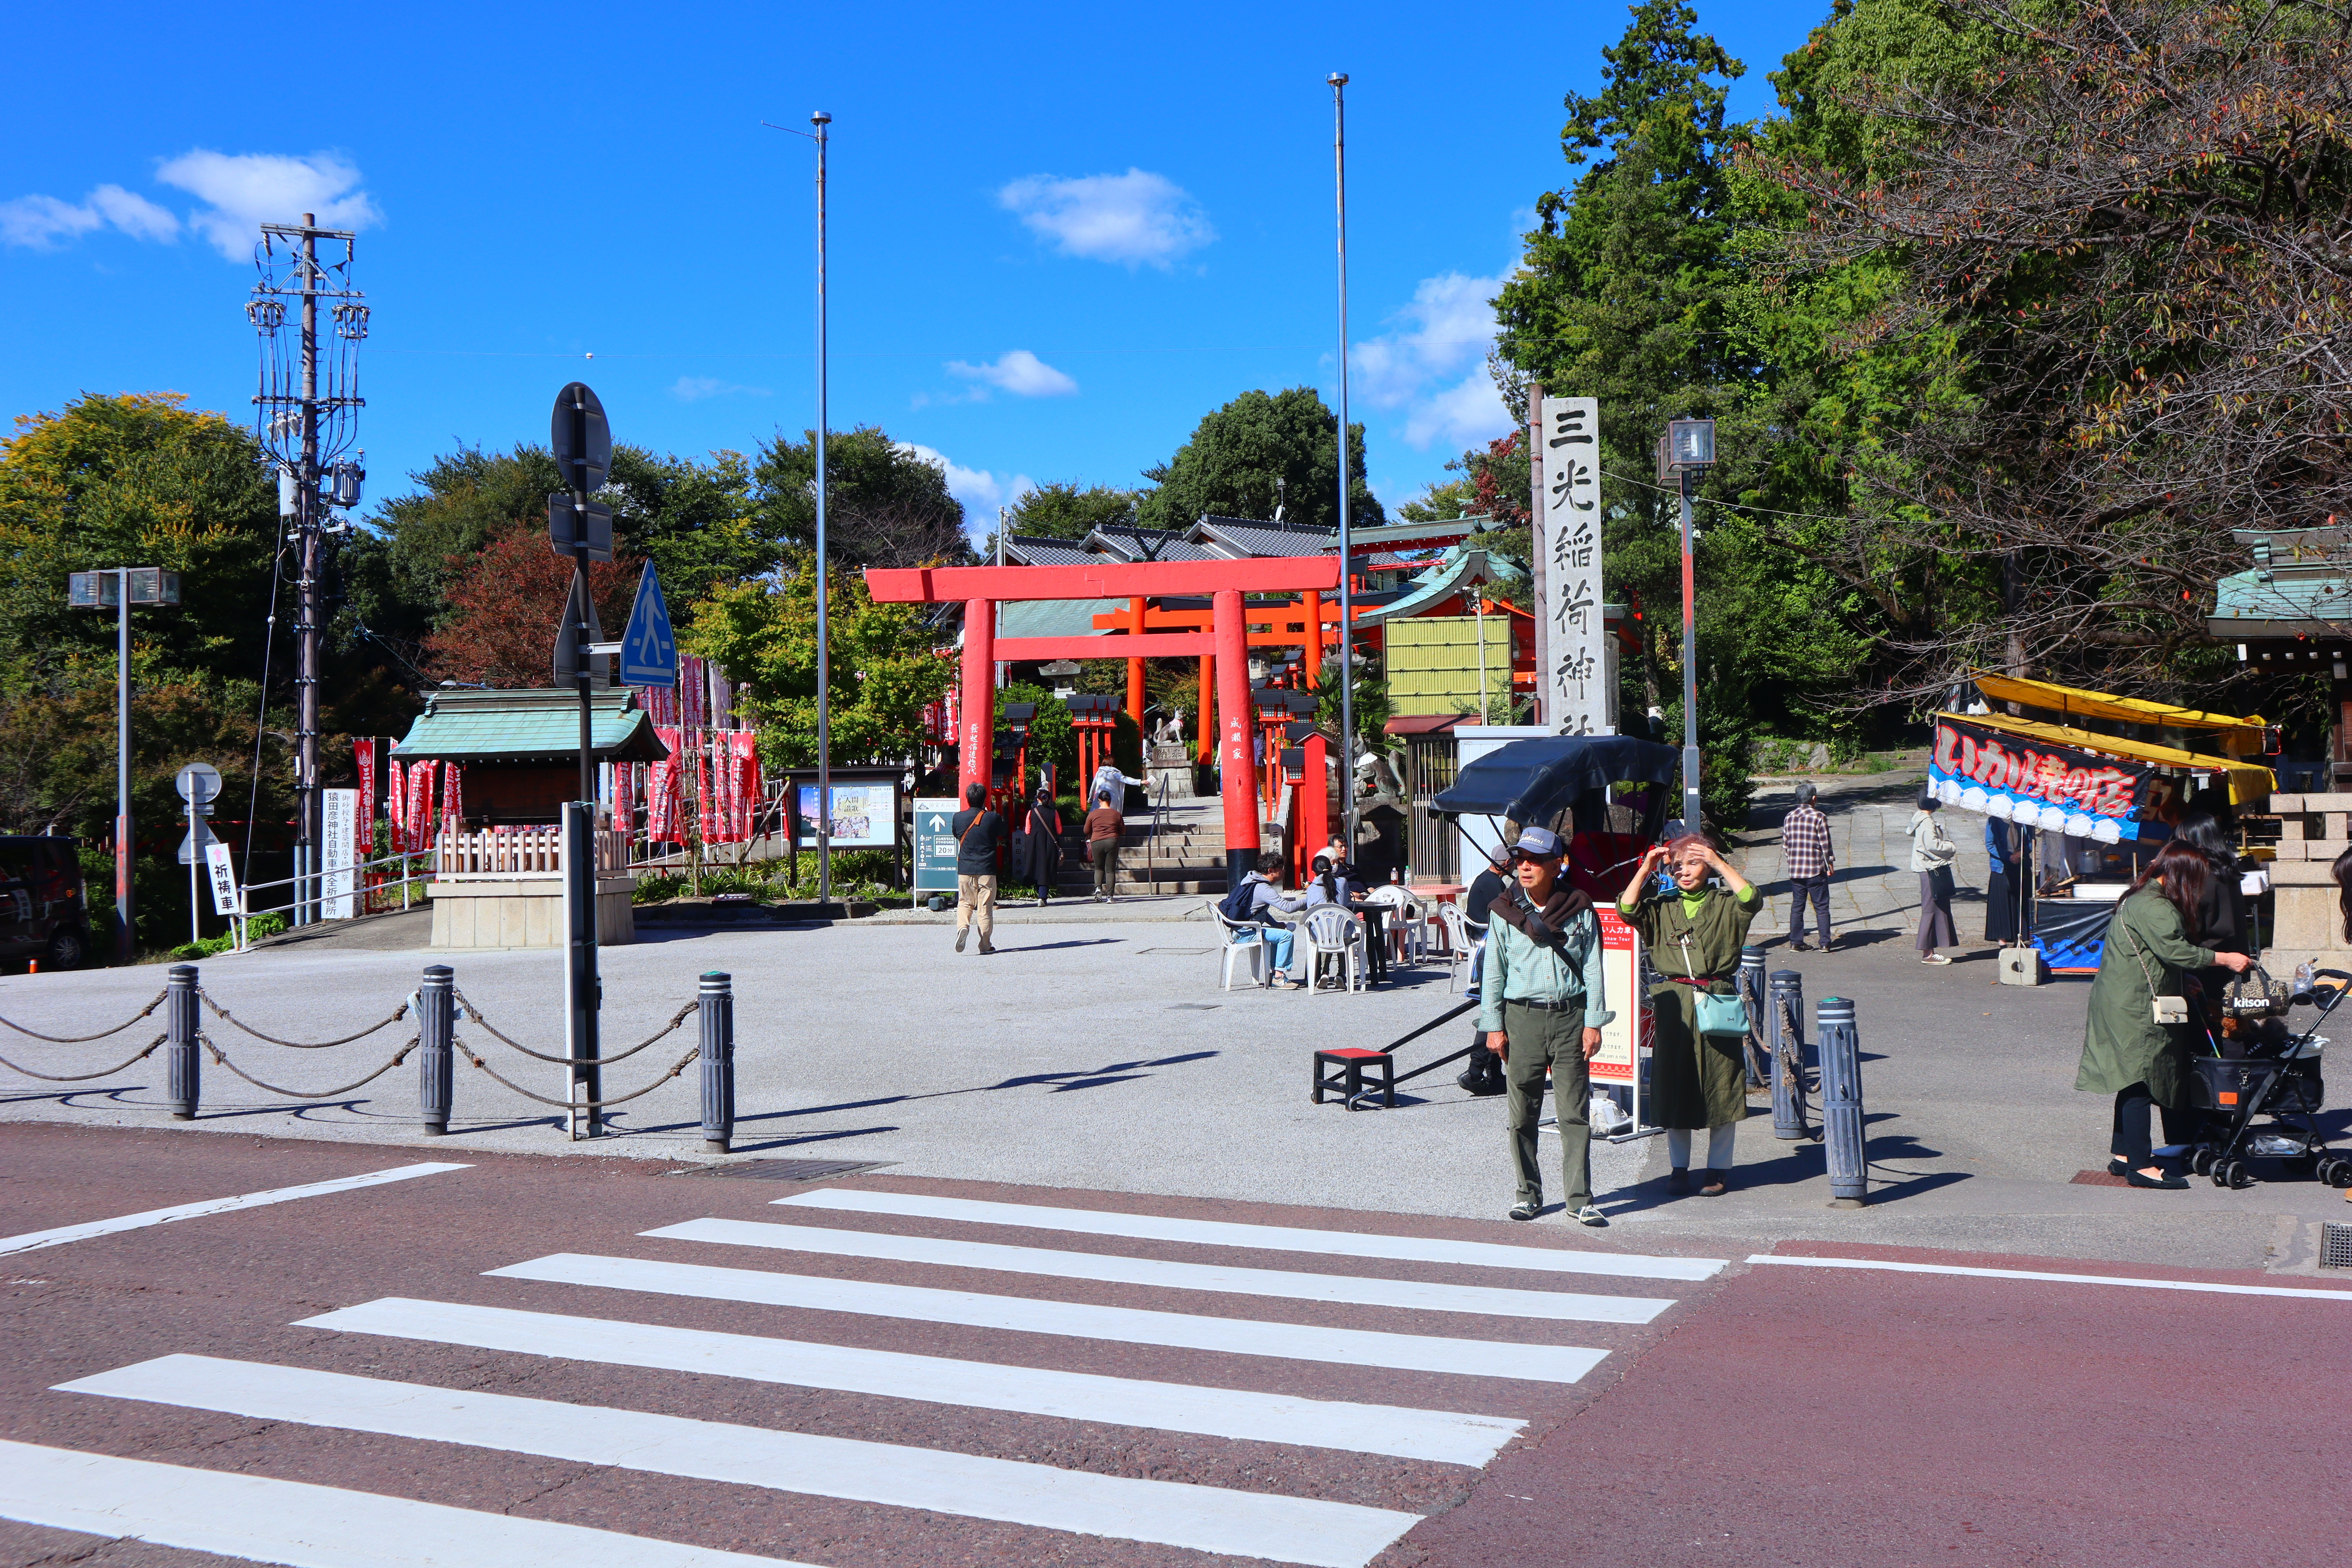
x=497 y=1363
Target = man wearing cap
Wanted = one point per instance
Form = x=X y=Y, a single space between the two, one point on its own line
x=1542 y=1006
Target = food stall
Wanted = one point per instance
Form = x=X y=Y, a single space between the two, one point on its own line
x=2100 y=780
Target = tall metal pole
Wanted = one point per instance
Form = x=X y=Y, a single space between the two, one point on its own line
x=1338 y=81
x=1690 y=667
x=584 y=992
x=824 y=652
x=126 y=944
x=308 y=611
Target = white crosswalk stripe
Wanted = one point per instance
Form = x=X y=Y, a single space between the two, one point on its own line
x=1352 y=1290
x=1079 y=1319
x=1444 y=1436
x=1207 y=1519
x=309 y=1526
x=1267 y=1237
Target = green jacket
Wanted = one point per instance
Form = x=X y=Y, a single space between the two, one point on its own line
x=2122 y=1042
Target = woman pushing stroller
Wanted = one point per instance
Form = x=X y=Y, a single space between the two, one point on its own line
x=2135 y=1040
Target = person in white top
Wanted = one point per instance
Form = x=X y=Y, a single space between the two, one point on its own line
x=1932 y=853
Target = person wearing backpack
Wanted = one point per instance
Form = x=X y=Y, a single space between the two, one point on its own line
x=1542 y=1005
x=979 y=835
x=1258 y=901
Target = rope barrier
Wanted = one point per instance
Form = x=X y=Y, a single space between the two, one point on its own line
x=397 y=1057
x=678 y=1067
x=230 y=1018
x=85 y=1039
x=85 y=1076
x=679 y=1017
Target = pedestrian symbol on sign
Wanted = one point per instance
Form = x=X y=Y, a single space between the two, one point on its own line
x=648 y=649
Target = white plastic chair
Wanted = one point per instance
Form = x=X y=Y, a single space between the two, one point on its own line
x=1459 y=945
x=1333 y=932
x=1252 y=952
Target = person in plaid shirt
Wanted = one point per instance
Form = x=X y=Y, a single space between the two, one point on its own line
x=1805 y=844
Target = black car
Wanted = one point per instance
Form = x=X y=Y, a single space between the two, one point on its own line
x=42 y=912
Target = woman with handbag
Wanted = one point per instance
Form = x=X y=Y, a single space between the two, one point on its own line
x=2135 y=1039
x=1698 y=1077
x=1932 y=853
x=1038 y=847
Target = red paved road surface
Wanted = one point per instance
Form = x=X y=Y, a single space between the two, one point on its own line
x=1771 y=1415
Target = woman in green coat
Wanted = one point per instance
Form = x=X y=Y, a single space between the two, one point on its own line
x=1693 y=936
x=2151 y=945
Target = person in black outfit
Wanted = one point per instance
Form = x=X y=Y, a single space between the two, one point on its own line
x=1041 y=843
x=1485 y=1073
x=980 y=836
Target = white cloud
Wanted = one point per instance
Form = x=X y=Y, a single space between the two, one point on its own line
x=1133 y=217
x=695 y=388
x=42 y=223
x=1420 y=368
x=980 y=491
x=1020 y=373
x=248 y=189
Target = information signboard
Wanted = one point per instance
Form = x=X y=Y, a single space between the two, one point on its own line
x=863 y=815
x=935 y=846
x=337 y=858
x=228 y=899
x=1626 y=1037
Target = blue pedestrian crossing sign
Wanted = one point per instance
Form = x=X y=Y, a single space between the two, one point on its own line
x=648 y=649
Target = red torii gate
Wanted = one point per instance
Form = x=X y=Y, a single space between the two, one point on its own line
x=981 y=588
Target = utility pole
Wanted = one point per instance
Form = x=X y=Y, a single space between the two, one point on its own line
x=305 y=413
x=821 y=119
x=1338 y=81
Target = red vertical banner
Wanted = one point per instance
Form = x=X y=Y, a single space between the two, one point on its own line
x=661 y=791
x=363 y=819
x=453 y=798
x=705 y=808
x=746 y=743
x=420 y=807
x=395 y=803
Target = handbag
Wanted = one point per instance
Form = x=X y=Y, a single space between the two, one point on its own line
x=2252 y=994
x=1715 y=1014
x=2167 y=1009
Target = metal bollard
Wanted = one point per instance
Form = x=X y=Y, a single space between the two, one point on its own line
x=1839 y=1043
x=182 y=1069
x=717 y=1019
x=1784 y=1003
x=1751 y=982
x=437 y=1026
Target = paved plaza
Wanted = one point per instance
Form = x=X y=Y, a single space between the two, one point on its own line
x=1096 y=1050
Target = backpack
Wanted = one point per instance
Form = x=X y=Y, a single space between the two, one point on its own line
x=1236 y=904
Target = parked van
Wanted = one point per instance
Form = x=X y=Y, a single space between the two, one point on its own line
x=42 y=912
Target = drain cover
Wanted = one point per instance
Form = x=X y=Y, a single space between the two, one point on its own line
x=791 y=1170
x=2335 y=1246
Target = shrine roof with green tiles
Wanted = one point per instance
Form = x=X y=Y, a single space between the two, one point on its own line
x=538 y=726
x=2300 y=586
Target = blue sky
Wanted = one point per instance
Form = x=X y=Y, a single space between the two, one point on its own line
x=1059 y=236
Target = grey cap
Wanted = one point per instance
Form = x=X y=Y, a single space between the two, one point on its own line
x=1540 y=842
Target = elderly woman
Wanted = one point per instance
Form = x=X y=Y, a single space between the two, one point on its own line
x=2129 y=1051
x=1693 y=935
x=1932 y=854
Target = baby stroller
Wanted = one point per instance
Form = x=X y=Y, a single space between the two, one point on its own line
x=2266 y=1069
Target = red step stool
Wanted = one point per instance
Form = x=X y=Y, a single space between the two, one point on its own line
x=1346 y=1075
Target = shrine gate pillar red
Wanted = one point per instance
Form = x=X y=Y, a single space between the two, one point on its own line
x=1204 y=733
x=976 y=735
x=1312 y=603
x=1237 y=773
x=1135 y=667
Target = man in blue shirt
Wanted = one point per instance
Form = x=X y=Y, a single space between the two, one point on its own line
x=1542 y=1003
x=979 y=835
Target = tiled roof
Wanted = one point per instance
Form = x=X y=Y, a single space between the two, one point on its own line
x=528 y=726
x=1245 y=539
x=1126 y=544
x=1026 y=549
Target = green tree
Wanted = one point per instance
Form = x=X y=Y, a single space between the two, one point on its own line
x=884 y=664
x=135 y=479
x=1229 y=466
x=885 y=505
x=1070 y=510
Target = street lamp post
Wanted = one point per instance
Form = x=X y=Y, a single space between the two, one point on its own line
x=89 y=590
x=1338 y=81
x=1689 y=453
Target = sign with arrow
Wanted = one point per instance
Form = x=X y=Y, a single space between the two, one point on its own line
x=648 y=649
x=935 y=846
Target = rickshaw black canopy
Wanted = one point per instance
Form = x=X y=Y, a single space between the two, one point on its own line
x=1533 y=780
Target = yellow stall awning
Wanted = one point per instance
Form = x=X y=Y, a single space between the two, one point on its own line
x=2234 y=736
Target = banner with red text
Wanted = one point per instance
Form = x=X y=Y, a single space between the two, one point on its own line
x=2037 y=782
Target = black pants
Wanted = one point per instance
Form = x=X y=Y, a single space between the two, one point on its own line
x=2130 y=1141
x=1816 y=890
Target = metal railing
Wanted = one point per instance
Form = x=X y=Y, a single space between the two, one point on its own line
x=362 y=893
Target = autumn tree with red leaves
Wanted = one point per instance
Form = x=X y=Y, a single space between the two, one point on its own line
x=507 y=605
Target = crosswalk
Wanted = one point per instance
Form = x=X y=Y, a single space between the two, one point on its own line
x=597 y=1323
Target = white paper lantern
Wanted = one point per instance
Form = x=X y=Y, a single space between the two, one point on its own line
x=2108 y=831
x=1951 y=791
x=1971 y=799
x=2029 y=814
x=2080 y=823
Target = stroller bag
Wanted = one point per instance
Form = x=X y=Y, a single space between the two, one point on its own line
x=2229 y=1087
